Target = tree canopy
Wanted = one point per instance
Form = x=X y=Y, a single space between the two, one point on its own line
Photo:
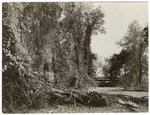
x=131 y=63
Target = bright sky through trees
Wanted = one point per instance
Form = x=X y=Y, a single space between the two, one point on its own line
x=117 y=18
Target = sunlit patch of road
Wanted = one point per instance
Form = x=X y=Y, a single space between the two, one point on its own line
x=117 y=91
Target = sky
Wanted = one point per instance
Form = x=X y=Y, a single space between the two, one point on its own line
x=117 y=18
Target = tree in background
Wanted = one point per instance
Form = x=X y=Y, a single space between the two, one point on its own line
x=113 y=67
x=145 y=30
x=134 y=43
x=131 y=64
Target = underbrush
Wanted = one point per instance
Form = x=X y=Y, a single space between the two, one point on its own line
x=58 y=101
x=112 y=106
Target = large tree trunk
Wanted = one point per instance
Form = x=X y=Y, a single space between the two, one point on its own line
x=86 y=45
x=140 y=67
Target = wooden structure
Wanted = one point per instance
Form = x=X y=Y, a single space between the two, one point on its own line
x=105 y=82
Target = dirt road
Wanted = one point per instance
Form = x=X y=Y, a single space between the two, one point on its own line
x=118 y=91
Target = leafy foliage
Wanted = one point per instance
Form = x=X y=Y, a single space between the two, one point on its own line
x=131 y=63
x=60 y=34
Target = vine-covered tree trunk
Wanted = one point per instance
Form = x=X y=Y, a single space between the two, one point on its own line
x=58 y=34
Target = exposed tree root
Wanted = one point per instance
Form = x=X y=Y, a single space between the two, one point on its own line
x=77 y=98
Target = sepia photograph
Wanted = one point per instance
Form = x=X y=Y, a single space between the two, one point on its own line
x=75 y=57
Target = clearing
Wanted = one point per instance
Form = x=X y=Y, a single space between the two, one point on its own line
x=118 y=91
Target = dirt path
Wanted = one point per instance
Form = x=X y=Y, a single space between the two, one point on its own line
x=118 y=91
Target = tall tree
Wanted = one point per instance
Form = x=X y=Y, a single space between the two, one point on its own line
x=52 y=35
x=133 y=42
